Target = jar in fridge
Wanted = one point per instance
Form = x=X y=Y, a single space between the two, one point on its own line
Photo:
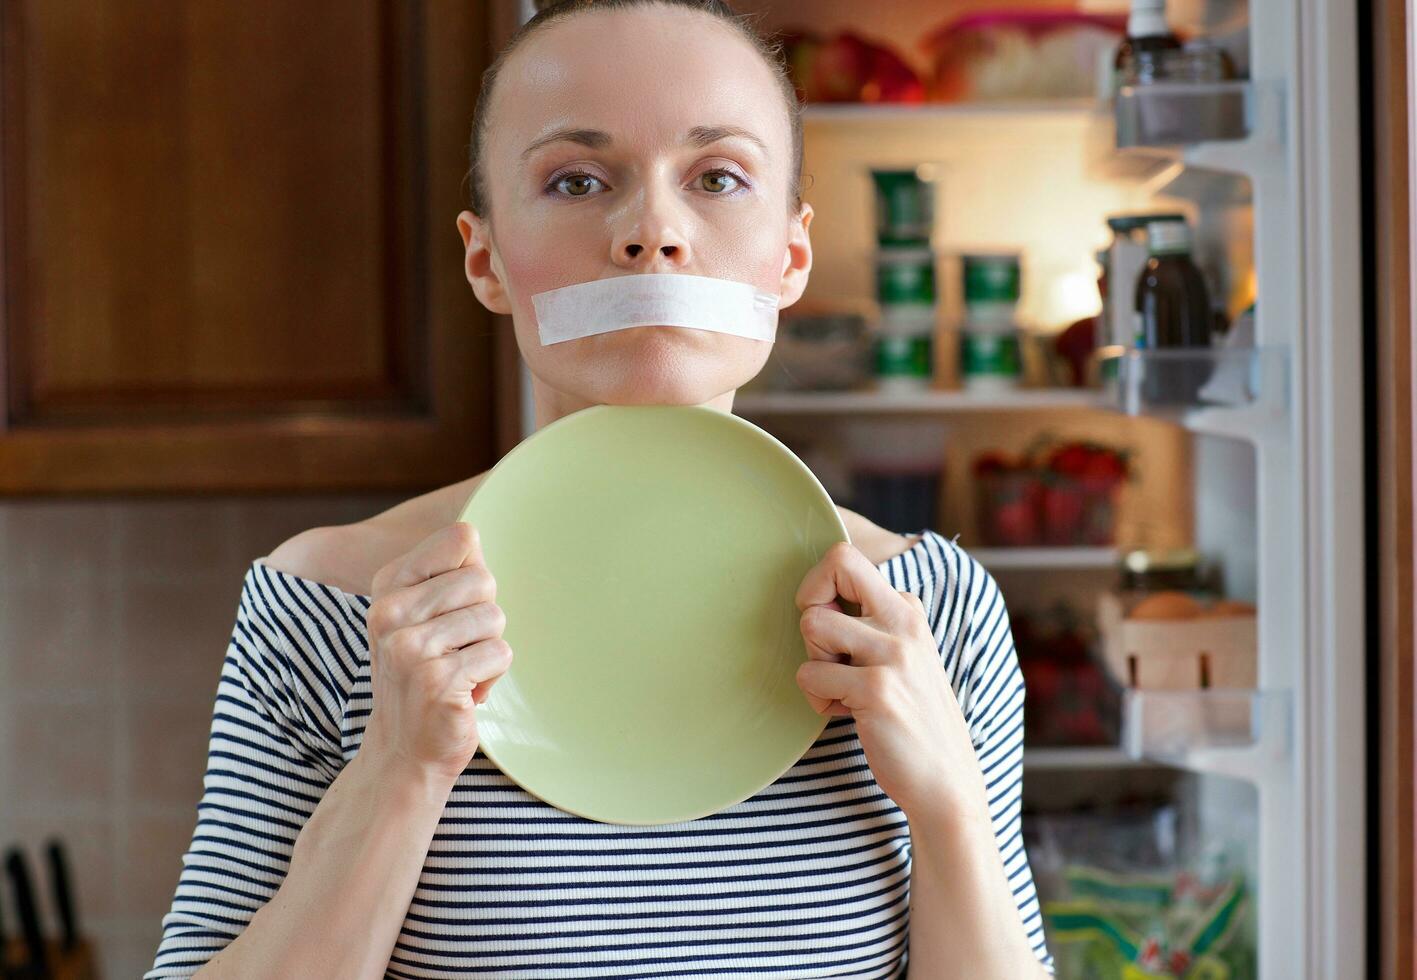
x=989 y=337
x=904 y=347
x=905 y=207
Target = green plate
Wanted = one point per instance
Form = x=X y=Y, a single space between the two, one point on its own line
x=648 y=558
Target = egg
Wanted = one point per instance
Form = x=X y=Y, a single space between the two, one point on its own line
x=1166 y=605
x=1229 y=607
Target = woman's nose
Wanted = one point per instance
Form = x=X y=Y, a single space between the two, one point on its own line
x=634 y=250
x=652 y=235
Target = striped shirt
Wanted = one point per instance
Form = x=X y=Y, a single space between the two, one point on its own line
x=808 y=878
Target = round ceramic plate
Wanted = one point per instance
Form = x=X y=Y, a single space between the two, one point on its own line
x=648 y=560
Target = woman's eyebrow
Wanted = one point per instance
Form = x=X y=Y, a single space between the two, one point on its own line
x=597 y=139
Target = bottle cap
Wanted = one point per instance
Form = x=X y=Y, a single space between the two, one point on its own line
x=1147 y=19
x=1142 y=560
x=1123 y=223
x=1164 y=237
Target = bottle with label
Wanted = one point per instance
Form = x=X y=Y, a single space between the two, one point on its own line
x=989 y=342
x=1147 y=32
x=1126 y=257
x=1172 y=311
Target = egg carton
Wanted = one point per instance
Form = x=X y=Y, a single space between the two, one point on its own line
x=1178 y=654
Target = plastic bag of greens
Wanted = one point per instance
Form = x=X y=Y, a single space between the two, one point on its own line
x=1187 y=925
x=1134 y=890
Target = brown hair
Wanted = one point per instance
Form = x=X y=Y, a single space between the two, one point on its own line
x=479 y=200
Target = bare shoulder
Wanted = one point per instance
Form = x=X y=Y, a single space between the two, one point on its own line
x=874 y=541
x=345 y=556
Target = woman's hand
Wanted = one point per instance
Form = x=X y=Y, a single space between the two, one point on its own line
x=883 y=668
x=435 y=650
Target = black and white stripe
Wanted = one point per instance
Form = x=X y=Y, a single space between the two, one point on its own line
x=809 y=878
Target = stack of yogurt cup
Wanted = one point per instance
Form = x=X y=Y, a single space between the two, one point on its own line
x=989 y=337
x=905 y=281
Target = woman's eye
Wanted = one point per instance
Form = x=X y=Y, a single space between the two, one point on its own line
x=717 y=176
x=573 y=181
x=577 y=184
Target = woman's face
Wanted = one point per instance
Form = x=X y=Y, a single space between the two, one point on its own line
x=659 y=191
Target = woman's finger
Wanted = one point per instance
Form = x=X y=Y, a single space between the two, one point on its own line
x=824 y=683
x=479 y=666
x=831 y=635
x=844 y=571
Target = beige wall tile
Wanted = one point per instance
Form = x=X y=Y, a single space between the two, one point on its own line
x=91 y=846
x=165 y=751
x=115 y=616
x=48 y=541
x=150 y=861
x=178 y=539
x=172 y=638
x=58 y=635
x=65 y=753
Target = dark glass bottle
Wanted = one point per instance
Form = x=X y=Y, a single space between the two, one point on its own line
x=1172 y=311
x=1146 y=31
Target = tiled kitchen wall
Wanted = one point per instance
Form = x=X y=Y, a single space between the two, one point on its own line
x=115 y=615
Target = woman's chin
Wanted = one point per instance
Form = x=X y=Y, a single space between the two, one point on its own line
x=665 y=380
x=646 y=390
x=659 y=365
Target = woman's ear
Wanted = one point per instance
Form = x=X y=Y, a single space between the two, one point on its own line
x=478 y=263
x=797 y=261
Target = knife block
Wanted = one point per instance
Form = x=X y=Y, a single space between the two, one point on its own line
x=75 y=964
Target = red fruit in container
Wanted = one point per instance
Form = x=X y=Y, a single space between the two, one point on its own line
x=1015 y=523
x=991 y=462
x=1069 y=459
x=1064 y=505
x=1032 y=488
x=1090 y=685
x=1103 y=468
x=843 y=66
x=1085 y=728
x=799 y=53
x=1070 y=648
x=1041 y=679
x=891 y=79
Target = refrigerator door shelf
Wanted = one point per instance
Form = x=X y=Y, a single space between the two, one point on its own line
x=1240 y=392
x=1182 y=113
x=1244 y=734
x=1153 y=132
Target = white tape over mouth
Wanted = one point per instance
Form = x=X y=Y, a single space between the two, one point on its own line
x=655 y=299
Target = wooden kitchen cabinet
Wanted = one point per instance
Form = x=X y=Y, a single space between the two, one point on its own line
x=230 y=252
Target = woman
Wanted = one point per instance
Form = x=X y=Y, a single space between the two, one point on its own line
x=349 y=827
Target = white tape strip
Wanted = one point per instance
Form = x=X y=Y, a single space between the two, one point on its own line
x=661 y=299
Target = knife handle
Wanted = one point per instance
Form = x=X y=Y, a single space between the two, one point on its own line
x=18 y=871
x=63 y=894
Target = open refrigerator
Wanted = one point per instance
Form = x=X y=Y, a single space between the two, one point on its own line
x=1266 y=476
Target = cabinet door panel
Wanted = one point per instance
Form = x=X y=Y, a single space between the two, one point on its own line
x=230 y=255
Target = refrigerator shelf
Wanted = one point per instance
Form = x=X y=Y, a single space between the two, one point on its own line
x=1081 y=757
x=1004 y=110
x=1047 y=558
x=929 y=402
x=1242 y=393
x=1241 y=733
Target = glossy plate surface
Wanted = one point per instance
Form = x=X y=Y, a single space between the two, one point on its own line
x=647 y=559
